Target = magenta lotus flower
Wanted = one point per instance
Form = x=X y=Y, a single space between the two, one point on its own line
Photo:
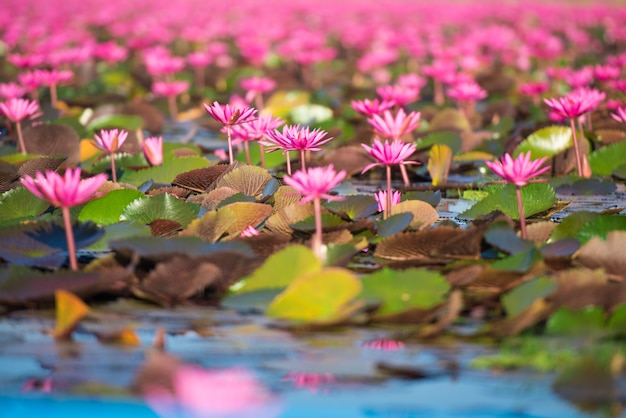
x=64 y=192
x=518 y=171
x=170 y=89
x=395 y=127
x=249 y=231
x=159 y=63
x=11 y=90
x=604 y=73
x=381 y=199
x=384 y=345
x=467 y=93
x=253 y=131
x=439 y=70
x=52 y=78
x=228 y=116
x=295 y=138
x=16 y=110
x=398 y=94
x=200 y=393
x=315 y=184
x=370 y=108
x=110 y=141
x=110 y=52
x=26 y=61
x=310 y=381
x=255 y=87
x=534 y=89
x=620 y=114
x=199 y=60
x=153 y=150
x=388 y=154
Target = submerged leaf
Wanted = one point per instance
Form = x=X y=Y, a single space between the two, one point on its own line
x=524 y=295
x=439 y=160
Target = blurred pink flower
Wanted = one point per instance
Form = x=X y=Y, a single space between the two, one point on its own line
x=153 y=150
x=534 y=88
x=169 y=88
x=256 y=85
x=248 y=232
x=316 y=182
x=111 y=140
x=257 y=128
x=110 y=52
x=381 y=199
x=30 y=80
x=200 y=393
x=384 y=345
x=620 y=114
x=519 y=170
x=160 y=63
x=579 y=78
x=619 y=85
x=11 y=90
x=16 y=109
x=606 y=72
x=389 y=154
x=199 y=59
x=396 y=127
x=54 y=77
x=411 y=81
x=467 y=91
x=398 y=94
x=64 y=192
x=26 y=61
x=373 y=107
x=230 y=115
x=311 y=381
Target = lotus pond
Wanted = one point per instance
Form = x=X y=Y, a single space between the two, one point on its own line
x=298 y=209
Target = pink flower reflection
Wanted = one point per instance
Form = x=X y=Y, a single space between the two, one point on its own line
x=311 y=381
x=384 y=345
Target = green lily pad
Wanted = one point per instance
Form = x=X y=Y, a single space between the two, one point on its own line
x=323 y=297
x=121 y=161
x=567 y=321
x=281 y=103
x=546 y=142
x=20 y=203
x=617 y=321
x=600 y=226
x=449 y=138
x=164 y=173
x=272 y=159
x=255 y=300
x=281 y=269
x=354 y=207
x=428 y=196
x=520 y=262
x=520 y=298
x=607 y=159
x=165 y=206
x=119 y=231
x=400 y=291
x=329 y=220
x=127 y=122
x=536 y=198
x=569 y=226
x=107 y=209
x=394 y=224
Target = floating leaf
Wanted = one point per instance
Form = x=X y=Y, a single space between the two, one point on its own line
x=546 y=142
x=607 y=254
x=321 y=297
x=520 y=262
x=429 y=196
x=212 y=225
x=606 y=159
x=449 y=138
x=281 y=103
x=536 y=198
x=330 y=222
x=600 y=227
x=567 y=321
x=165 y=206
x=281 y=269
x=246 y=214
x=69 y=312
x=394 y=224
x=200 y=179
x=107 y=210
x=354 y=206
x=523 y=296
x=569 y=226
x=439 y=160
x=289 y=215
x=118 y=231
x=164 y=173
x=127 y=122
x=247 y=179
x=400 y=291
x=450 y=120
x=20 y=203
x=424 y=215
x=501 y=235
x=617 y=321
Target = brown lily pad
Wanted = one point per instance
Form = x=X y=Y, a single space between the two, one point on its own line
x=280 y=221
x=246 y=214
x=350 y=158
x=53 y=139
x=165 y=227
x=212 y=225
x=606 y=254
x=424 y=215
x=539 y=232
x=247 y=179
x=200 y=179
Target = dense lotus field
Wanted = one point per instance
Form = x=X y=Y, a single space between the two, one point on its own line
x=385 y=175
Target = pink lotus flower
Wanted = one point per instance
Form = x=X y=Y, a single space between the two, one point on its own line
x=411 y=81
x=200 y=393
x=256 y=86
x=199 y=59
x=160 y=63
x=110 y=52
x=468 y=91
x=64 y=192
x=295 y=138
x=11 y=90
x=249 y=231
x=16 y=110
x=606 y=72
x=619 y=85
x=381 y=199
x=396 y=127
x=398 y=94
x=153 y=150
x=311 y=381
x=52 y=78
x=228 y=116
x=518 y=171
x=440 y=71
x=534 y=89
x=26 y=61
x=370 y=108
x=580 y=78
x=620 y=114
x=169 y=88
x=315 y=184
x=384 y=345
x=30 y=80
x=255 y=130
x=111 y=141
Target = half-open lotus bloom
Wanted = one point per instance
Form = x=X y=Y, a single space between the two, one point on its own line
x=256 y=86
x=200 y=393
x=370 y=108
x=11 y=90
x=399 y=95
x=254 y=131
x=315 y=184
x=16 y=110
x=381 y=199
x=394 y=127
x=110 y=141
x=228 y=116
x=64 y=192
x=153 y=150
x=389 y=154
x=518 y=171
x=467 y=91
x=295 y=138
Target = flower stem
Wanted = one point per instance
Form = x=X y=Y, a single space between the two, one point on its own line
x=262 y=154
x=53 y=95
x=230 y=145
x=246 y=148
x=578 y=165
x=288 y=162
x=438 y=87
x=387 y=212
x=113 y=171
x=520 y=209
x=69 y=236
x=302 y=160
x=316 y=242
x=405 y=175
x=20 y=137
x=173 y=108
